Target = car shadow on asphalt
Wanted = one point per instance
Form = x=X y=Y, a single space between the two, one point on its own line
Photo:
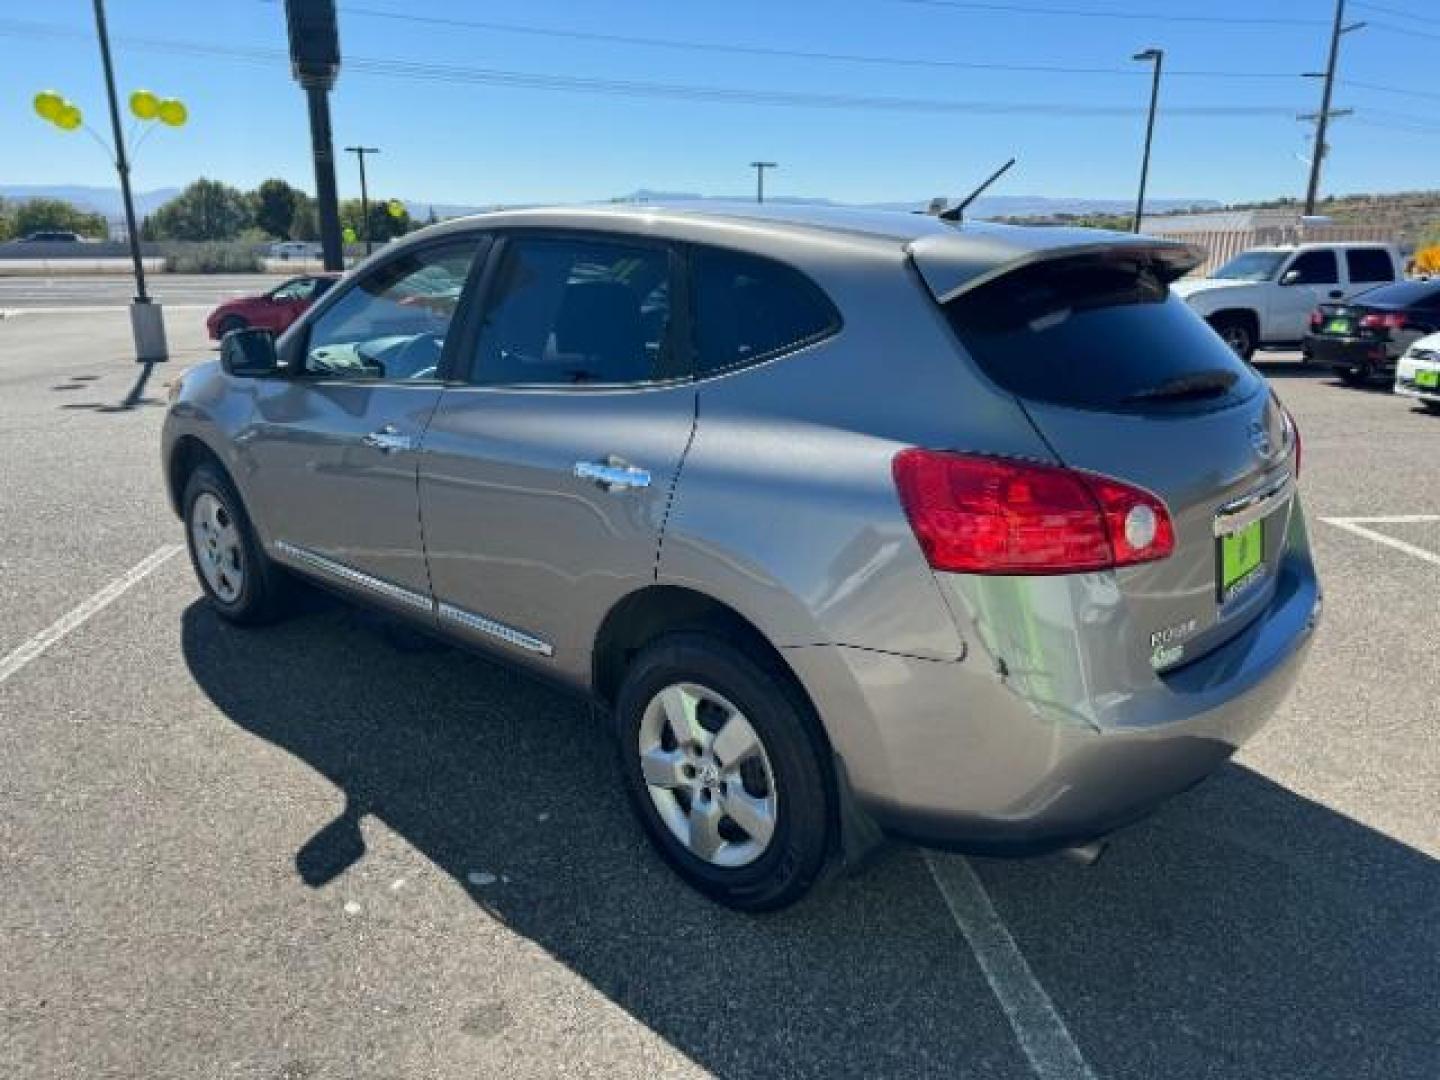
x=1244 y=931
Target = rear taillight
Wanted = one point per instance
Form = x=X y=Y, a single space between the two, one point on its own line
x=983 y=515
x=1317 y=319
x=1296 y=444
x=1389 y=320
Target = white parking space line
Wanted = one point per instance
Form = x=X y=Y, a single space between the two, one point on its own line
x=76 y=617
x=1357 y=526
x=1039 y=1029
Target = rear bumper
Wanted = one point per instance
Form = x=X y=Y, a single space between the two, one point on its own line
x=954 y=754
x=1350 y=354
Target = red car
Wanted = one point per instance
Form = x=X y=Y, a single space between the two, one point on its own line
x=274 y=310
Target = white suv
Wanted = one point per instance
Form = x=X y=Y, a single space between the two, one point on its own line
x=1263 y=297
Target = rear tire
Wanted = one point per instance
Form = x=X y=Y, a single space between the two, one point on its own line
x=240 y=582
x=1238 y=333
x=1356 y=378
x=724 y=766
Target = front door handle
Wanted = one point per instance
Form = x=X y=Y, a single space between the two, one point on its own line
x=388 y=440
x=1336 y=294
x=613 y=474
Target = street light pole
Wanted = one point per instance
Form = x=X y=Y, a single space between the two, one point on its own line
x=147 y=321
x=1157 y=56
x=760 y=167
x=360 y=152
x=315 y=63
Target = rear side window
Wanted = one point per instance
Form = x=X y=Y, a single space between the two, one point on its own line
x=1313 y=268
x=572 y=312
x=1406 y=294
x=749 y=309
x=1369 y=264
x=1095 y=333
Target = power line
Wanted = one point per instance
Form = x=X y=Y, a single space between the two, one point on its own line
x=1430 y=95
x=1096 y=13
x=1403 y=31
x=728 y=48
x=1409 y=129
x=415 y=70
x=1397 y=12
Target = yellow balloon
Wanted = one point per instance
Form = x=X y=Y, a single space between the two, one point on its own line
x=144 y=104
x=172 y=112
x=68 y=118
x=396 y=208
x=48 y=105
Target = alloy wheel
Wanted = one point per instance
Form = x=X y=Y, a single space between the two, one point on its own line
x=707 y=772
x=215 y=536
x=1237 y=337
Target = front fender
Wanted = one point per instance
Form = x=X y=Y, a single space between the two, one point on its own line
x=210 y=409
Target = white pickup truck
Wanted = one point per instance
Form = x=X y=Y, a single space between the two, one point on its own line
x=1263 y=297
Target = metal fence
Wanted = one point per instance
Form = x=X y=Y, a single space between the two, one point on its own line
x=1222 y=245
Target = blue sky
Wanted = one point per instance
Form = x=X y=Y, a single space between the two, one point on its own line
x=482 y=143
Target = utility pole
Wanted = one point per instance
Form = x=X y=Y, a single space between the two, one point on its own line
x=1323 y=117
x=315 y=63
x=360 y=152
x=760 y=167
x=147 y=321
x=1158 y=57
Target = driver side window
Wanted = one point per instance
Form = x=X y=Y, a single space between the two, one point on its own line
x=1315 y=268
x=391 y=324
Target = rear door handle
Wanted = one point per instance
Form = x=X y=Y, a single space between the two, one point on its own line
x=613 y=474
x=388 y=440
x=1336 y=294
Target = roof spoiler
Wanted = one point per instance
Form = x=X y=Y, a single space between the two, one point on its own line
x=952 y=266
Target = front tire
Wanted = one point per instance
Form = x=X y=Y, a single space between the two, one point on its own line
x=1237 y=332
x=240 y=582
x=725 y=768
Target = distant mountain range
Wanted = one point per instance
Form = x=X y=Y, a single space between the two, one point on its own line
x=107 y=202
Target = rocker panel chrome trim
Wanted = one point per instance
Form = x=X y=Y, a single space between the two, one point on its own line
x=348 y=574
x=490 y=627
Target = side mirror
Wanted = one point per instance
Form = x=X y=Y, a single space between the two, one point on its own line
x=1290 y=277
x=249 y=353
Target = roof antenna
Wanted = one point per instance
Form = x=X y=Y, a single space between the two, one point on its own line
x=957 y=213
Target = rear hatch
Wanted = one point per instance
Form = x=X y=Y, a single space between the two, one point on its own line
x=1122 y=379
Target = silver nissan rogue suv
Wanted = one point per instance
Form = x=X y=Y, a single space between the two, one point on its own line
x=852 y=523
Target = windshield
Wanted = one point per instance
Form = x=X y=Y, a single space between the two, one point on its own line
x=1251 y=266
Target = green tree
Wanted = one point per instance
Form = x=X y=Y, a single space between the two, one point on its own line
x=34 y=215
x=275 y=205
x=7 y=220
x=206 y=210
x=307 y=221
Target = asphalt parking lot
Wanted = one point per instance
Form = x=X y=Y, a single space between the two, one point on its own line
x=307 y=852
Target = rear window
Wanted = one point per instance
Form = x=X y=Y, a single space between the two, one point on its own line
x=749 y=309
x=1369 y=264
x=1096 y=333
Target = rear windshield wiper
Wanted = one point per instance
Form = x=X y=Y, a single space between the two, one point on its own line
x=1200 y=384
